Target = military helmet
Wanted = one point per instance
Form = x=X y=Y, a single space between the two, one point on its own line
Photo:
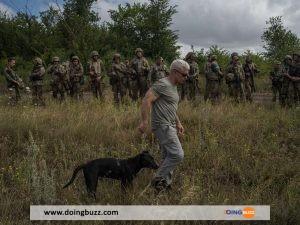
x=94 y=53
x=288 y=57
x=55 y=59
x=190 y=55
x=116 y=55
x=235 y=57
x=213 y=57
x=11 y=58
x=75 y=57
x=234 y=54
x=139 y=50
x=37 y=61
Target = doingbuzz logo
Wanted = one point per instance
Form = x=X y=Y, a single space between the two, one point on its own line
x=247 y=212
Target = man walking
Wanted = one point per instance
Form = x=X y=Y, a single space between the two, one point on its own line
x=162 y=99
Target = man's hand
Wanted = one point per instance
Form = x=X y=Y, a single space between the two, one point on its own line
x=180 y=129
x=143 y=127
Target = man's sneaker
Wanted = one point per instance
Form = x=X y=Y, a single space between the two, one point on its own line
x=160 y=184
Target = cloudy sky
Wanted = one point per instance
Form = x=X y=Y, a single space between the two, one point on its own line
x=235 y=25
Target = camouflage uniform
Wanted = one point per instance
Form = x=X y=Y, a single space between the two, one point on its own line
x=213 y=77
x=95 y=71
x=235 y=75
x=191 y=86
x=118 y=78
x=57 y=73
x=276 y=76
x=250 y=70
x=157 y=71
x=36 y=79
x=139 y=76
x=287 y=66
x=295 y=72
x=76 y=75
x=14 y=83
x=228 y=79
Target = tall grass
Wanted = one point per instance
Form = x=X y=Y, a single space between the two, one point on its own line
x=234 y=154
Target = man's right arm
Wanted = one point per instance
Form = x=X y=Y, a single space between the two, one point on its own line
x=149 y=98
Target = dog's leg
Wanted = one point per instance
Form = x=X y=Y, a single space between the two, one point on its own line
x=91 y=181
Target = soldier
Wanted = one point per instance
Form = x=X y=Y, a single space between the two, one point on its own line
x=36 y=79
x=236 y=77
x=191 y=86
x=14 y=83
x=95 y=71
x=76 y=76
x=287 y=66
x=118 y=78
x=295 y=76
x=229 y=77
x=139 y=79
x=213 y=76
x=157 y=71
x=276 y=76
x=250 y=70
x=58 y=78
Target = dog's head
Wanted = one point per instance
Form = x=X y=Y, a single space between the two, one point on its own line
x=147 y=160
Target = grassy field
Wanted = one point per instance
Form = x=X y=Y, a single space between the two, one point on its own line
x=234 y=154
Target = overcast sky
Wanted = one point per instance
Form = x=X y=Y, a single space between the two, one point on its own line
x=235 y=25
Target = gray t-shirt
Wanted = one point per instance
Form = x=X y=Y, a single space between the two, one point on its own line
x=165 y=107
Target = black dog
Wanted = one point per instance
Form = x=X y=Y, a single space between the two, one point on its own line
x=120 y=169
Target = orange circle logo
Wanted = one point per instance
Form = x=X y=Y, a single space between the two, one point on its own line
x=248 y=212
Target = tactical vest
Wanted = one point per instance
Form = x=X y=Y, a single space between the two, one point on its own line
x=210 y=74
x=96 y=66
x=238 y=72
x=276 y=76
x=138 y=64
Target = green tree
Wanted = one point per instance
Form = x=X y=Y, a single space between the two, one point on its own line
x=278 y=40
x=147 y=26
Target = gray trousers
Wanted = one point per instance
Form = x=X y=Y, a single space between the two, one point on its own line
x=172 y=152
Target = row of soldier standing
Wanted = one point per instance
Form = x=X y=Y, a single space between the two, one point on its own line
x=135 y=77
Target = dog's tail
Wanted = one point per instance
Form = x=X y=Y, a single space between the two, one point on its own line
x=74 y=175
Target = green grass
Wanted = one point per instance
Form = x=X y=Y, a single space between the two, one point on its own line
x=234 y=154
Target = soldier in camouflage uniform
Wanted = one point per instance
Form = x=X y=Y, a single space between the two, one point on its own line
x=14 y=83
x=287 y=66
x=228 y=79
x=191 y=86
x=36 y=79
x=295 y=76
x=276 y=76
x=76 y=75
x=250 y=70
x=128 y=77
x=213 y=77
x=235 y=74
x=58 y=76
x=139 y=78
x=157 y=71
x=95 y=71
x=118 y=78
